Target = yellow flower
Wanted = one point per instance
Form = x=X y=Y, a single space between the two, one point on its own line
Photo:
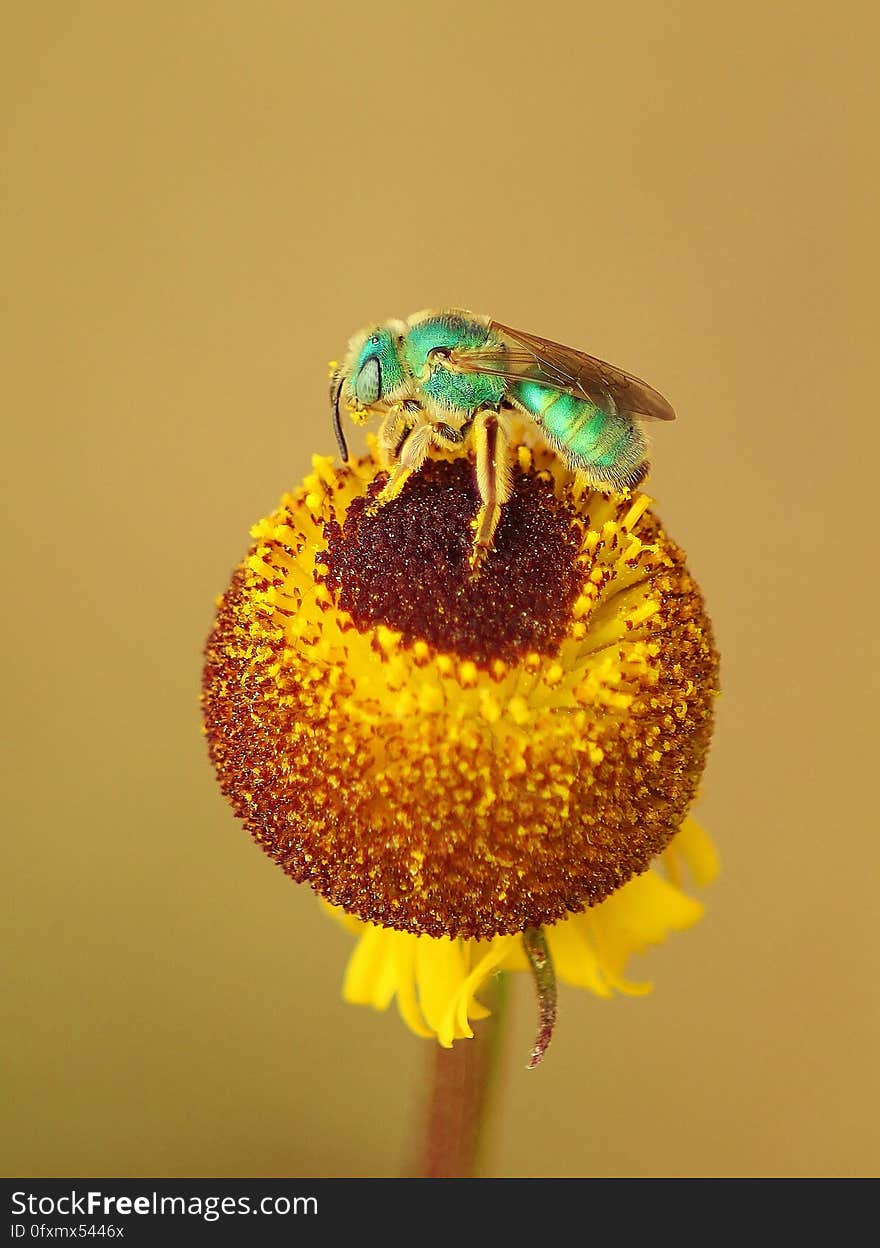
x=442 y=756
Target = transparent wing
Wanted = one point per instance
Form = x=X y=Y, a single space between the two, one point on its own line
x=519 y=355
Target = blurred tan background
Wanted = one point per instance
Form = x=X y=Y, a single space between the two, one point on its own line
x=201 y=201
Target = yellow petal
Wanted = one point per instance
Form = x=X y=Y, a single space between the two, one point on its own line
x=370 y=975
x=348 y=921
x=698 y=851
x=440 y=971
x=404 y=956
x=574 y=956
x=463 y=1007
x=641 y=913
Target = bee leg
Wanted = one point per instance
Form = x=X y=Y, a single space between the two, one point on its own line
x=412 y=455
x=494 y=481
x=392 y=431
x=446 y=436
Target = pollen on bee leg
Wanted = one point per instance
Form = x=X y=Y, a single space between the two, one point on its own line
x=494 y=481
x=391 y=432
x=484 y=526
x=390 y=490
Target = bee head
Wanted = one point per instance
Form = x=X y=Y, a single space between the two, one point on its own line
x=372 y=373
x=374 y=366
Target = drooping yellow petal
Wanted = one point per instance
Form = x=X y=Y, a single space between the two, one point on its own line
x=436 y=980
x=404 y=955
x=440 y=969
x=348 y=921
x=462 y=1007
x=370 y=974
x=640 y=914
x=575 y=958
x=698 y=851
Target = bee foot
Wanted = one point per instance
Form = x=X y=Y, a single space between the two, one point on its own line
x=478 y=556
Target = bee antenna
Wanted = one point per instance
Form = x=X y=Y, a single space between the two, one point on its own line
x=335 y=396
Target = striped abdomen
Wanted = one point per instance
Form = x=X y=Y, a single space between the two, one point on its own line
x=608 y=446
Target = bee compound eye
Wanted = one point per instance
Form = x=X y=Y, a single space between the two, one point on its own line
x=368 y=385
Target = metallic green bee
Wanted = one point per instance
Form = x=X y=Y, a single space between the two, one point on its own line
x=442 y=376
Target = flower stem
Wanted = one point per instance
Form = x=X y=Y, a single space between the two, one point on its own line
x=462 y=1083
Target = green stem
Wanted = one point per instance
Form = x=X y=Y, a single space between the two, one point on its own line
x=462 y=1086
